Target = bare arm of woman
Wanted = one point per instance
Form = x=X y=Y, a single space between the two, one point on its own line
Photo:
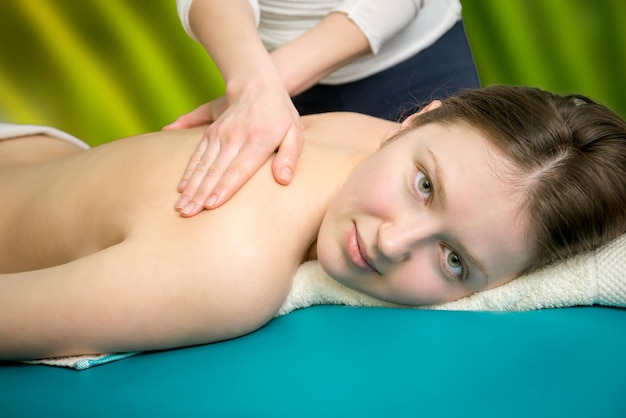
x=132 y=296
x=333 y=43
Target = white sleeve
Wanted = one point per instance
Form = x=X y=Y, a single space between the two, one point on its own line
x=256 y=10
x=183 y=6
x=380 y=19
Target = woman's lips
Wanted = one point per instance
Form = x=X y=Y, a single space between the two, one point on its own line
x=354 y=250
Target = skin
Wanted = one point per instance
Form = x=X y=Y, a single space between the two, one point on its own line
x=107 y=265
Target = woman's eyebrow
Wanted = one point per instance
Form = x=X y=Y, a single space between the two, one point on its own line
x=440 y=190
x=474 y=261
x=440 y=196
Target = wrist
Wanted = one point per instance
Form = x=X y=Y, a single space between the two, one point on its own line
x=258 y=83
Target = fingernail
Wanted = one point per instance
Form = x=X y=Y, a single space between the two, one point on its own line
x=181 y=202
x=286 y=173
x=189 y=207
x=211 y=201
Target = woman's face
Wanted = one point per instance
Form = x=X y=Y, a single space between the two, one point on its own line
x=427 y=219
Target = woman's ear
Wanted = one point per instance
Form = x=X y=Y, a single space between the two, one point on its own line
x=430 y=106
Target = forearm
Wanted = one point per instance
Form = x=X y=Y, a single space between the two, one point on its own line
x=227 y=30
x=333 y=43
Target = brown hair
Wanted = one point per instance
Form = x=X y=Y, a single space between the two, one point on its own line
x=571 y=152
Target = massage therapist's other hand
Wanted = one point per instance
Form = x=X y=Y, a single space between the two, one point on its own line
x=247 y=126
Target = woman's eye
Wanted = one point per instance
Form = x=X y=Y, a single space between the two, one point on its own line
x=453 y=263
x=423 y=185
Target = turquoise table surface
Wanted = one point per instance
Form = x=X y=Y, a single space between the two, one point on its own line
x=339 y=361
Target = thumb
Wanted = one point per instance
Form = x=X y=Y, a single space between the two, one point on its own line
x=286 y=160
x=199 y=116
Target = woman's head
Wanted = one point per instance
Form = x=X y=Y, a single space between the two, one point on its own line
x=475 y=191
x=571 y=157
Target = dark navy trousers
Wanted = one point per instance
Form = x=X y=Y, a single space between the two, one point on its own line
x=434 y=73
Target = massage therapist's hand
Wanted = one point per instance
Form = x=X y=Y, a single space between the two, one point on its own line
x=247 y=126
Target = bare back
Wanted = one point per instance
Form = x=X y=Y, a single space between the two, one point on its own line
x=95 y=233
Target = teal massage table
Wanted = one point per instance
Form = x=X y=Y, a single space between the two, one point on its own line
x=328 y=361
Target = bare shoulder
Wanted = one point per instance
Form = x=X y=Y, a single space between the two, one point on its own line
x=348 y=129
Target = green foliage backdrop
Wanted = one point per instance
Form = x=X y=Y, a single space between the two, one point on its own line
x=104 y=69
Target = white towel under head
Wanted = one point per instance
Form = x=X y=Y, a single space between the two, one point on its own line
x=598 y=277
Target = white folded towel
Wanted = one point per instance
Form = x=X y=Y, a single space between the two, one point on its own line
x=598 y=277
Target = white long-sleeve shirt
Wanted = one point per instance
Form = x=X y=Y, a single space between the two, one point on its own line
x=395 y=29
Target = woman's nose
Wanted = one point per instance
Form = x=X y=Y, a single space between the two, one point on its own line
x=397 y=241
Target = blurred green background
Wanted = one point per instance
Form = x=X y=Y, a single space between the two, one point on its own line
x=104 y=69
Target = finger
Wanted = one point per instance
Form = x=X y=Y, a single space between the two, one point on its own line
x=197 y=176
x=238 y=171
x=286 y=160
x=205 y=177
x=195 y=158
x=199 y=116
